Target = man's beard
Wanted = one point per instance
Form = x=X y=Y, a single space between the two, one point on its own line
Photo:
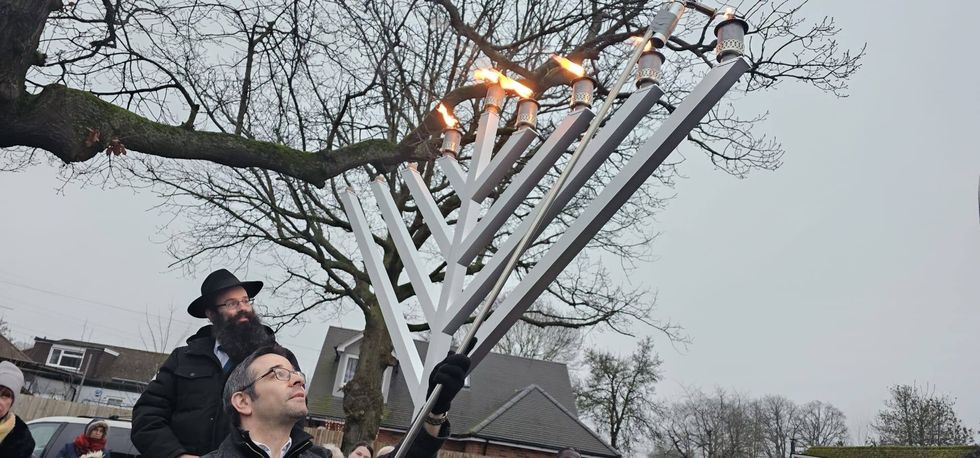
x=240 y=339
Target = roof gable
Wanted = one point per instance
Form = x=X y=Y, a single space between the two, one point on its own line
x=496 y=382
x=10 y=352
x=522 y=418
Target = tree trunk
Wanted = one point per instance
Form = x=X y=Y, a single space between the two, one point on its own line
x=21 y=24
x=363 y=401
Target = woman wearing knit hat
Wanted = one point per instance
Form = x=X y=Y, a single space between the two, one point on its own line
x=15 y=439
x=90 y=443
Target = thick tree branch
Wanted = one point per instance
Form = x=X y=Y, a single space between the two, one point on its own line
x=75 y=125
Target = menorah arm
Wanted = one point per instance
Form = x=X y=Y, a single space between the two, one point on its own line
x=502 y=162
x=424 y=290
x=607 y=140
x=429 y=209
x=557 y=144
x=646 y=160
x=405 y=351
x=455 y=174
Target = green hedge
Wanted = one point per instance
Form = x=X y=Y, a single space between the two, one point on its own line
x=891 y=452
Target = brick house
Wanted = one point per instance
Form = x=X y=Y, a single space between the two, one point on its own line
x=89 y=372
x=511 y=406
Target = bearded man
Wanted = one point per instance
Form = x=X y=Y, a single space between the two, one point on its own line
x=180 y=413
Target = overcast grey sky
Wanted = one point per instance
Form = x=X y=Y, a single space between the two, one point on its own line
x=853 y=267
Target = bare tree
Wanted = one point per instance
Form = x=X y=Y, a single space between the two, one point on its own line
x=918 y=416
x=820 y=424
x=617 y=395
x=158 y=333
x=776 y=417
x=726 y=424
x=549 y=343
x=708 y=425
x=304 y=99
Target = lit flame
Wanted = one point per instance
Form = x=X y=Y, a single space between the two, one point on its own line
x=510 y=85
x=728 y=14
x=646 y=47
x=447 y=117
x=489 y=75
x=569 y=66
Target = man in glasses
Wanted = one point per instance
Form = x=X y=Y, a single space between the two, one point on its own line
x=180 y=413
x=265 y=397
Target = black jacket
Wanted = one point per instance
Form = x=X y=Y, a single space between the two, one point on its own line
x=240 y=445
x=181 y=409
x=19 y=443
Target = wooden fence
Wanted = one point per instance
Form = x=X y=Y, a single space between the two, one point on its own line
x=29 y=407
x=334 y=436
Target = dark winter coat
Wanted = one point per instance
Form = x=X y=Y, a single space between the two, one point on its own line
x=240 y=445
x=181 y=409
x=19 y=443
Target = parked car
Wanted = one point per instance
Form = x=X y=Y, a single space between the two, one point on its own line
x=52 y=433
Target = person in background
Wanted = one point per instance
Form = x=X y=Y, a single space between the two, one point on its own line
x=362 y=450
x=15 y=439
x=265 y=397
x=568 y=453
x=180 y=413
x=90 y=443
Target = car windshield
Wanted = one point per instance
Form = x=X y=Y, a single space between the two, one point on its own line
x=42 y=433
x=48 y=446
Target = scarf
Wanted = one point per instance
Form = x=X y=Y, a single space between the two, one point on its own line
x=7 y=425
x=85 y=444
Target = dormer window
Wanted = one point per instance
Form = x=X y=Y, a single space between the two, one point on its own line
x=349 y=369
x=66 y=357
x=345 y=372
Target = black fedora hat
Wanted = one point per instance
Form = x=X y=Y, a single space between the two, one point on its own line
x=215 y=283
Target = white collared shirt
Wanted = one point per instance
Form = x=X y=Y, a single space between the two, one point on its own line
x=268 y=451
x=222 y=356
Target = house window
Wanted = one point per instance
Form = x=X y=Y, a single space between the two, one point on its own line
x=345 y=372
x=349 y=369
x=114 y=402
x=68 y=358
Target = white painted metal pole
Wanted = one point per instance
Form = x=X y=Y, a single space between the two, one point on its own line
x=502 y=162
x=454 y=173
x=429 y=209
x=424 y=289
x=401 y=339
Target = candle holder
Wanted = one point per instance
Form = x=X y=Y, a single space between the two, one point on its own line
x=730 y=33
x=649 y=68
x=494 y=100
x=451 y=139
x=582 y=89
x=527 y=113
x=666 y=21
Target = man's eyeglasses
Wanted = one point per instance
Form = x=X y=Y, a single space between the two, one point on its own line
x=281 y=373
x=237 y=303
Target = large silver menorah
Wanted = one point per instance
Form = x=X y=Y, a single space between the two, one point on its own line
x=450 y=306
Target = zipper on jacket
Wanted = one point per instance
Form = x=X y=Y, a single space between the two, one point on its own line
x=296 y=450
